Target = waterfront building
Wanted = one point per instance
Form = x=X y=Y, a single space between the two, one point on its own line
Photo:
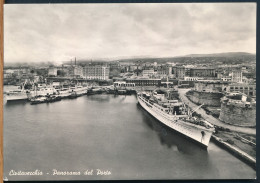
x=99 y=72
x=144 y=81
x=77 y=71
x=64 y=70
x=246 y=88
x=123 y=84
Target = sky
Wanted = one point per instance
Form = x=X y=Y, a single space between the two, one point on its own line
x=60 y=32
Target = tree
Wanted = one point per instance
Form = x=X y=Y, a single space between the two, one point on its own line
x=61 y=73
x=137 y=71
x=114 y=73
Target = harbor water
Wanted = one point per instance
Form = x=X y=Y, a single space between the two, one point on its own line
x=108 y=134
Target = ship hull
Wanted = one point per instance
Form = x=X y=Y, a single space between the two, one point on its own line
x=16 y=97
x=81 y=91
x=184 y=128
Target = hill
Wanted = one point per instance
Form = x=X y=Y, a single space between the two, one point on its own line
x=227 y=54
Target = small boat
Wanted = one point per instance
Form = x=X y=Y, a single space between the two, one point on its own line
x=73 y=95
x=64 y=92
x=53 y=98
x=38 y=100
x=80 y=90
x=110 y=91
x=121 y=92
x=93 y=91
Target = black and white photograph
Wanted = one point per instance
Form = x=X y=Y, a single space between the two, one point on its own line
x=129 y=91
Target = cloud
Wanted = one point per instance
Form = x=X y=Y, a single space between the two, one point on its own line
x=58 y=32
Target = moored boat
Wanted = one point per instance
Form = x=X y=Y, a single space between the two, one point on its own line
x=80 y=90
x=72 y=95
x=174 y=114
x=53 y=98
x=38 y=100
x=42 y=90
x=64 y=92
x=92 y=91
x=17 y=94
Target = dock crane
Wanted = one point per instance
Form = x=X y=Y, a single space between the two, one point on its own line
x=197 y=109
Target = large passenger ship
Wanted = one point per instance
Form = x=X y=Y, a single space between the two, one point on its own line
x=168 y=108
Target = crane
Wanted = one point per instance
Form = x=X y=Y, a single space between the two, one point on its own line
x=196 y=109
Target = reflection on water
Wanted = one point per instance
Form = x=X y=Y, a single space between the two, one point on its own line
x=100 y=98
x=110 y=133
x=15 y=103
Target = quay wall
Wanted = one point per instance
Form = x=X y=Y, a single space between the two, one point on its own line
x=238 y=115
x=206 y=98
x=235 y=151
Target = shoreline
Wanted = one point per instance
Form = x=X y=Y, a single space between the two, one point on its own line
x=230 y=141
x=243 y=156
x=223 y=140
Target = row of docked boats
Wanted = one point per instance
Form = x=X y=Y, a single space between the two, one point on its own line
x=45 y=99
x=45 y=94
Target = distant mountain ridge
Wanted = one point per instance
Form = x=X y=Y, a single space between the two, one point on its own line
x=225 y=54
x=230 y=56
